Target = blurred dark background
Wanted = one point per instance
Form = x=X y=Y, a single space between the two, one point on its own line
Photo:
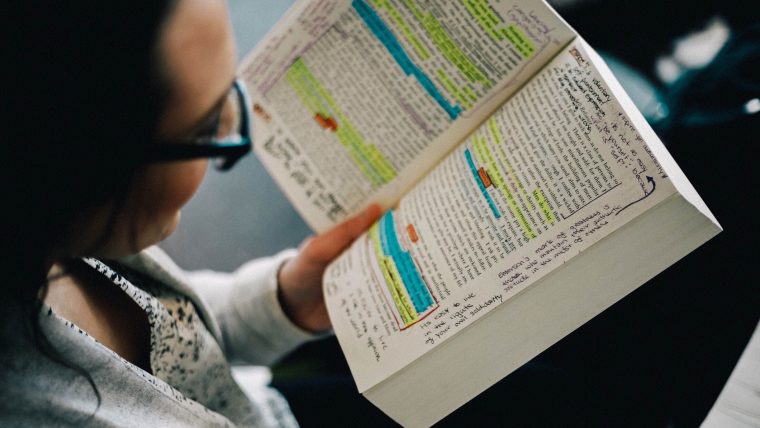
x=660 y=356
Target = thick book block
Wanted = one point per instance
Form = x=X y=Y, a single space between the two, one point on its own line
x=525 y=191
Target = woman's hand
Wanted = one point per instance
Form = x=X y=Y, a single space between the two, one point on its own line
x=300 y=278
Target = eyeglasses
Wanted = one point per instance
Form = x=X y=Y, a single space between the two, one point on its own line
x=226 y=138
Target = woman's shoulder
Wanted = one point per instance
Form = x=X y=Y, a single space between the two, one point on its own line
x=37 y=389
x=84 y=384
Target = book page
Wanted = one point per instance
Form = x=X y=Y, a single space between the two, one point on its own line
x=356 y=100
x=555 y=170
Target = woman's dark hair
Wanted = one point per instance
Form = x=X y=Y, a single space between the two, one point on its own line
x=82 y=94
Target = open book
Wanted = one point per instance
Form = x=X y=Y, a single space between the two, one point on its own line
x=526 y=193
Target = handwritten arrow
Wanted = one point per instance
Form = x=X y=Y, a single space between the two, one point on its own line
x=649 y=179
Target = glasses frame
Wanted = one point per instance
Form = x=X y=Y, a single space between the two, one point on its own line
x=228 y=151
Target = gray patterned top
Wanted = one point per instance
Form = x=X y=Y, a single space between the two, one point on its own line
x=195 y=331
x=184 y=354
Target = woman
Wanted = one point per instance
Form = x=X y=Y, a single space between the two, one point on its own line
x=113 y=109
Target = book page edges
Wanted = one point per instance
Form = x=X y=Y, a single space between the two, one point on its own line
x=450 y=375
x=674 y=172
